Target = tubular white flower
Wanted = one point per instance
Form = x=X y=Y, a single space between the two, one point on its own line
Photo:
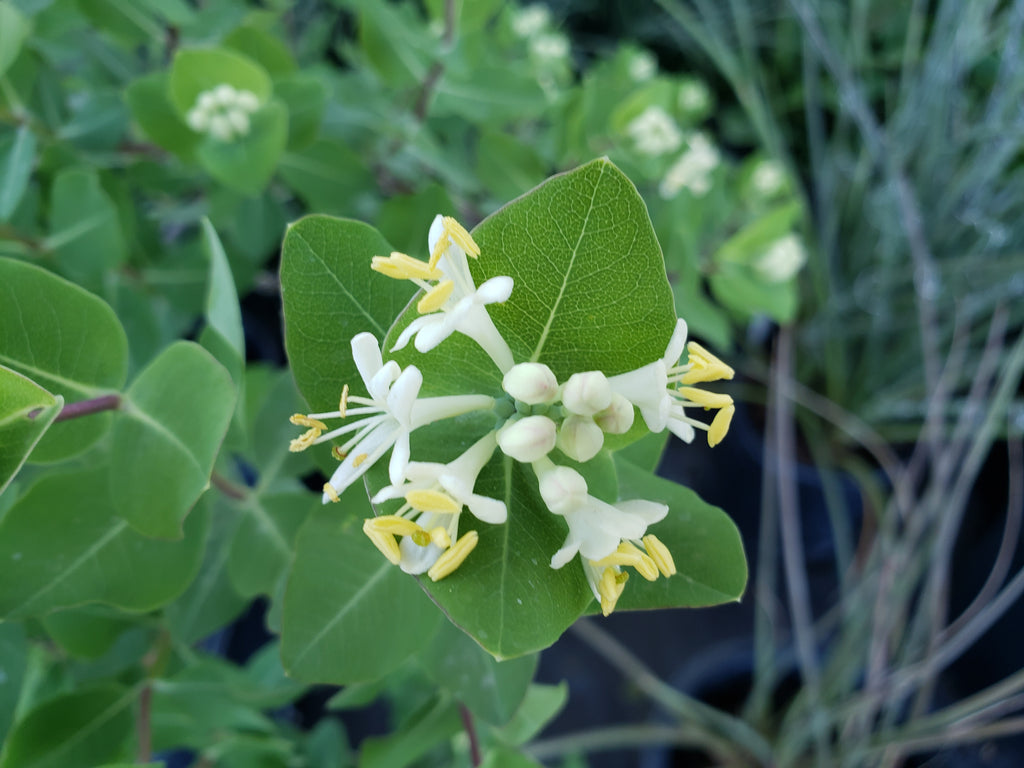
x=586 y=393
x=617 y=418
x=527 y=439
x=580 y=438
x=531 y=383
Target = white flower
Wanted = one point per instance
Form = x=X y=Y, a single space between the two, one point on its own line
x=550 y=47
x=642 y=66
x=223 y=112
x=692 y=170
x=531 y=383
x=388 y=415
x=531 y=20
x=694 y=96
x=428 y=522
x=527 y=439
x=454 y=303
x=654 y=389
x=782 y=260
x=580 y=438
x=654 y=132
x=586 y=393
x=768 y=177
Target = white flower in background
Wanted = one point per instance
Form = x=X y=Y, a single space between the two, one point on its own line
x=694 y=96
x=783 y=259
x=531 y=20
x=223 y=112
x=386 y=417
x=606 y=536
x=692 y=170
x=428 y=521
x=642 y=66
x=662 y=390
x=551 y=46
x=768 y=177
x=654 y=132
x=451 y=302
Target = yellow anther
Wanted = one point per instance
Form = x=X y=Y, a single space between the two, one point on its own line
x=610 y=588
x=440 y=537
x=343 y=402
x=705 y=398
x=394 y=525
x=403 y=267
x=331 y=493
x=461 y=237
x=720 y=425
x=303 y=441
x=432 y=501
x=360 y=459
x=387 y=267
x=659 y=553
x=435 y=298
x=628 y=554
x=439 y=248
x=705 y=366
x=301 y=420
x=337 y=453
x=448 y=562
x=385 y=542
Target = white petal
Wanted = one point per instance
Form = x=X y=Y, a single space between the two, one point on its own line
x=347 y=473
x=681 y=429
x=497 y=289
x=650 y=512
x=411 y=330
x=644 y=387
x=399 y=458
x=403 y=394
x=487 y=509
x=366 y=355
x=433 y=333
x=417 y=559
x=676 y=344
x=568 y=551
x=427 y=410
x=436 y=230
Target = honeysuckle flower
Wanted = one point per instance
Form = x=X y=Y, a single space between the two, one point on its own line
x=781 y=260
x=694 y=96
x=551 y=46
x=451 y=301
x=531 y=383
x=768 y=177
x=580 y=438
x=617 y=418
x=642 y=66
x=531 y=20
x=386 y=418
x=223 y=112
x=428 y=522
x=586 y=393
x=606 y=536
x=527 y=439
x=661 y=390
x=692 y=170
x=654 y=132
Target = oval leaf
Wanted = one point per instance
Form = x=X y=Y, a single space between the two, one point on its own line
x=20 y=431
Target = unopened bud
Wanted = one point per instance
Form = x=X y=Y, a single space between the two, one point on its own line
x=617 y=418
x=528 y=439
x=531 y=383
x=587 y=393
x=580 y=438
x=563 y=489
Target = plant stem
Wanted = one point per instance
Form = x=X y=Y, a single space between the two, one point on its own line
x=470 y=728
x=85 y=407
x=614 y=737
x=143 y=725
x=228 y=488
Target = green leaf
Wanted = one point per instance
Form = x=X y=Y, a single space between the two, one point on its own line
x=85 y=232
x=75 y=730
x=89 y=631
x=306 y=99
x=740 y=289
x=14 y=28
x=67 y=341
x=492 y=690
x=503 y=757
x=330 y=294
x=14 y=651
x=223 y=313
x=507 y=166
x=435 y=722
x=262 y=547
x=17 y=156
x=263 y=48
x=591 y=288
x=128 y=22
x=329 y=176
x=541 y=704
x=19 y=433
x=197 y=70
x=166 y=437
x=404 y=220
x=349 y=615
x=247 y=163
x=705 y=545
x=62 y=546
x=151 y=107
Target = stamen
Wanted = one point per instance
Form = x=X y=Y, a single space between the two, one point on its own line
x=303 y=441
x=628 y=554
x=610 y=588
x=660 y=554
x=435 y=298
x=433 y=501
x=705 y=366
x=442 y=245
x=720 y=425
x=705 y=398
x=448 y=562
x=343 y=402
x=440 y=537
x=302 y=420
x=461 y=237
x=337 y=453
x=331 y=493
x=359 y=459
x=394 y=525
x=385 y=542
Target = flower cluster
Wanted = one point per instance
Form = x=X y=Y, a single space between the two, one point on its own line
x=223 y=112
x=535 y=415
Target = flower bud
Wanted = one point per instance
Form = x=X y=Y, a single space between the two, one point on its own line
x=617 y=418
x=580 y=438
x=563 y=489
x=528 y=439
x=531 y=383
x=586 y=393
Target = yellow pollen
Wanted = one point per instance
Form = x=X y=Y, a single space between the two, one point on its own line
x=385 y=542
x=343 y=402
x=461 y=237
x=610 y=588
x=331 y=493
x=303 y=441
x=439 y=249
x=628 y=554
x=393 y=525
x=659 y=553
x=720 y=425
x=432 y=501
x=301 y=420
x=448 y=562
x=435 y=298
x=360 y=459
x=337 y=453
x=387 y=267
x=705 y=398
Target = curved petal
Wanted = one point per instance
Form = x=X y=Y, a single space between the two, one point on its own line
x=569 y=550
x=403 y=394
x=411 y=330
x=676 y=344
x=497 y=289
x=434 y=332
x=487 y=509
x=416 y=559
x=400 y=458
x=650 y=512
x=366 y=355
x=377 y=440
x=436 y=230
x=380 y=384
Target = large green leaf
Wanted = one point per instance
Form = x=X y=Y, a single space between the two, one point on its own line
x=67 y=341
x=14 y=651
x=62 y=546
x=17 y=156
x=247 y=163
x=14 y=28
x=151 y=107
x=705 y=545
x=20 y=397
x=433 y=723
x=75 y=730
x=166 y=437
x=349 y=615
x=263 y=545
x=330 y=294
